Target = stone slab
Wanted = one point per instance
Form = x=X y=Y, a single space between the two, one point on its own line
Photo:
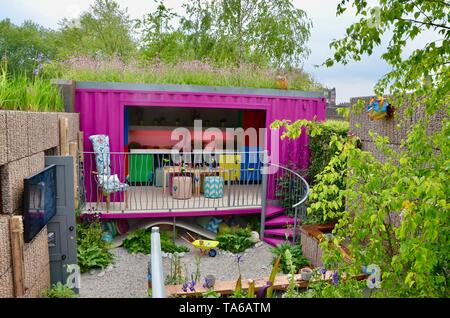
x=3 y=138
x=6 y=284
x=36 y=258
x=11 y=176
x=5 y=244
x=17 y=135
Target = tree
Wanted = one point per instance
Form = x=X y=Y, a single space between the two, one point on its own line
x=25 y=47
x=159 y=37
x=199 y=26
x=274 y=31
x=248 y=31
x=105 y=29
x=397 y=210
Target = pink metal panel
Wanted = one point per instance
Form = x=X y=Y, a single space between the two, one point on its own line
x=102 y=112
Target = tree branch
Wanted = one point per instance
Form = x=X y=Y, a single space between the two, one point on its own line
x=426 y=23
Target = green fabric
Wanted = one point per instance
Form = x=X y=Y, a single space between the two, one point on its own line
x=140 y=167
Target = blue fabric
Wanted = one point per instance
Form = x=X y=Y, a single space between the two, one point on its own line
x=213 y=225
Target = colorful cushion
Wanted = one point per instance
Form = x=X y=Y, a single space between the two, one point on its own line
x=110 y=184
x=213 y=187
x=100 y=144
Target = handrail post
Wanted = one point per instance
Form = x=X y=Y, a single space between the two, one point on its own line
x=158 y=289
x=264 y=175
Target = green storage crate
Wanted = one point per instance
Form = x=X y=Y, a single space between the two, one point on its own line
x=140 y=167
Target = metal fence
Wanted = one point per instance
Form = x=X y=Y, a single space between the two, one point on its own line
x=152 y=180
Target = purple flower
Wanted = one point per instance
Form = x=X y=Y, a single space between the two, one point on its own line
x=192 y=286
x=208 y=283
x=185 y=287
x=335 y=278
x=36 y=72
x=323 y=270
x=263 y=290
x=239 y=259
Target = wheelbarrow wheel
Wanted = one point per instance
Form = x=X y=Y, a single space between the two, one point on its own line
x=212 y=253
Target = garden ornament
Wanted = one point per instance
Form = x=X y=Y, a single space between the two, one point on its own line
x=378 y=108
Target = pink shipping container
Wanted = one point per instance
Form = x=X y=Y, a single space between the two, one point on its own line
x=103 y=110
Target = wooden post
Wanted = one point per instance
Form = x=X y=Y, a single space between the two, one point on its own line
x=63 y=132
x=16 y=234
x=80 y=168
x=73 y=151
x=80 y=145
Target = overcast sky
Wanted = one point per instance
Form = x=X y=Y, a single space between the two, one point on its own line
x=356 y=79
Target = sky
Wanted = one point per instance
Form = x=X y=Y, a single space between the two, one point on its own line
x=354 y=79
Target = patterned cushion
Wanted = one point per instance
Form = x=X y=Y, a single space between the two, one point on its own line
x=100 y=143
x=213 y=225
x=213 y=187
x=111 y=183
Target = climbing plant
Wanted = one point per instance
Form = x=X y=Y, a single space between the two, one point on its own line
x=326 y=202
x=397 y=214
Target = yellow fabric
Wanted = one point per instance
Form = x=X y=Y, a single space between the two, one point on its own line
x=233 y=164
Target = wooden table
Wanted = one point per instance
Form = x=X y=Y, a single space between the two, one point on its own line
x=198 y=174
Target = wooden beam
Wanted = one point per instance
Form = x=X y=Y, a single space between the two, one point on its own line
x=16 y=234
x=227 y=287
x=73 y=151
x=63 y=137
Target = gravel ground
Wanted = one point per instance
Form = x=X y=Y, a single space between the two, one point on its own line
x=127 y=277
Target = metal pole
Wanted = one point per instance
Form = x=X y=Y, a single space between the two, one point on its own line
x=158 y=289
x=265 y=174
x=174 y=229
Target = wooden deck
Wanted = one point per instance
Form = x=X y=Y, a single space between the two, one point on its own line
x=150 y=202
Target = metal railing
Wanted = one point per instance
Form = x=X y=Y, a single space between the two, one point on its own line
x=290 y=190
x=144 y=181
x=155 y=180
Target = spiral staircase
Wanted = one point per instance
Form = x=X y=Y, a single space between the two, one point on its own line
x=281 y=220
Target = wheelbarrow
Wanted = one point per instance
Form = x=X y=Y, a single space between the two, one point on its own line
x=205 y=246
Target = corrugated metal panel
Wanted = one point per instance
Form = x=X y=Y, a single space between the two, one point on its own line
x=102 y=112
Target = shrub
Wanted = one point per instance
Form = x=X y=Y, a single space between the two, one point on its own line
x=59 y=290
x=83 y=68
x=235 y=240
x=298 y=260
x=320 y=148
x=138 y=241
x=92 y=250
x=20 y=92
x=327 y=171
